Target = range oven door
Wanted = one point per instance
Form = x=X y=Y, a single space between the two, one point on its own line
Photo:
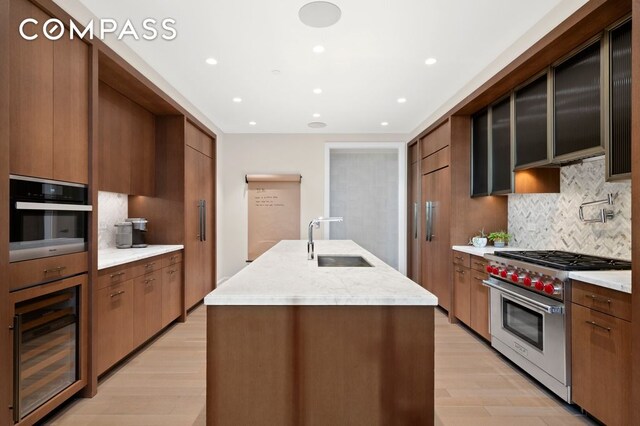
x=530 y=330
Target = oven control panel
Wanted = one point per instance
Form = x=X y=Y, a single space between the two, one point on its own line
x=532 y=280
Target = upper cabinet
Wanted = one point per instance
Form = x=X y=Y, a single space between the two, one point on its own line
x=619 y=137
x=531 y=124
x=501 y=167
x=577 y=105
x=49 y=114
x=126 y=137
x=480 y=154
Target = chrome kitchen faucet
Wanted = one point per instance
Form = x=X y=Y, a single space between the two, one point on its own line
x=315 y=223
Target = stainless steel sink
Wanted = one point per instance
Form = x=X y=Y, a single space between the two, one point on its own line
x=342 y=260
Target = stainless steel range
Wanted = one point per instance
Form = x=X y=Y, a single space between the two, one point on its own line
x=528 y=317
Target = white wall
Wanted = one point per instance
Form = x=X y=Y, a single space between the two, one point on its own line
x=240 y=154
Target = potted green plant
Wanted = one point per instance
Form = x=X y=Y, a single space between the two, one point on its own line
x=479 y=240
x=500 y=238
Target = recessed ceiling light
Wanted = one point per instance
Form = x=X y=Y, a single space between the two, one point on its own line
x=317 y=124
x=402 y=100
x=275 y=72
x=316 y=115
x=252 y=123
x=319 y=14
x=237 y=100
x=317 y=91
x=430 y=61
x=211 y=61
x=384 y=123
x=318 y=49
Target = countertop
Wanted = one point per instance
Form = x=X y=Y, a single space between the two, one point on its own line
x=108 y=258
x=616 y=280
x=284 y=276
x=484 y=250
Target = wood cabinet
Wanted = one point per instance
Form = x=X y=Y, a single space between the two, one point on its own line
x=531 y=124
x=480 y=154
x=147 y=313
x=47 y=269
x=470 y=296
x=126 y=145
x=601 y=357
x=172 y=305
x=413 y=210
x=113 y=334
x=49 y=114
x=435 y=222
x=618 y=148
x=133 y=302
x=199 y=223
x=577 y=105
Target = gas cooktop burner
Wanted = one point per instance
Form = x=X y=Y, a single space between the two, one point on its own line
x=566 y=261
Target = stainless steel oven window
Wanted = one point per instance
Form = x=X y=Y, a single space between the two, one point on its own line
x=523 y=322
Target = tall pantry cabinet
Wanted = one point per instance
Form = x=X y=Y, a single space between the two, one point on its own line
x=199 y=215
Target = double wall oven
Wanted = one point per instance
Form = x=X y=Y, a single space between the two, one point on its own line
x=47 y=218
x=528 y=321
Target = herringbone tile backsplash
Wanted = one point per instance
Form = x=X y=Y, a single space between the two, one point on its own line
x=551 y=222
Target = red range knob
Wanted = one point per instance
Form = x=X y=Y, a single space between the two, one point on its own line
x=539 y=285
x=527 y=281
x=489 y=268
x=515 y=277
x=503 y=273
x=495 y=270
x=549 y=289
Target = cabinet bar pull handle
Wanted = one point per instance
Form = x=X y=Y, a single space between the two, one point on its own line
x=117 y=274
x=149 y=265
x=598 y=299
x=117 y=293
x=478 y=263
x=595 y=324
x=479 y=279
x=58 y=269
x=149 y=280
x=460 y=271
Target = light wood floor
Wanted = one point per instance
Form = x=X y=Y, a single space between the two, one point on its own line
x=165 y=385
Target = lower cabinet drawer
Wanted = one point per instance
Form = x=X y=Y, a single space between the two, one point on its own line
x=479 y=264
x=30 y=272
x=114 y=324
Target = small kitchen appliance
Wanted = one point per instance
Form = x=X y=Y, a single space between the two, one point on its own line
x=139 y=232
x=124 y=235
x=528 y=291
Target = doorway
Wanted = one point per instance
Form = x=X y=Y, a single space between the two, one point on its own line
x=365 y=183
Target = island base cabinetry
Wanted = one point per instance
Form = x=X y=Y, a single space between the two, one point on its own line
x=292 y=365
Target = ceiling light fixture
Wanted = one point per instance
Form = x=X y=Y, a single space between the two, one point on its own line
x=318 y=49
x=384 y=123
x=430 y=61
x=252 y=123
x=317 y=124
x=402 y=100
x=316 y=115
x=317 y=91
x=319 y=14
x=211 y=61
x=237 y=100
x=275 y=72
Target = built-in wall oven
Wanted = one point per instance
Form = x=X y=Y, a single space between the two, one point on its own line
x=528 y=318
x=47 y=218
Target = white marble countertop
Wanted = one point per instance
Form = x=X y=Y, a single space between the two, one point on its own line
x=284 y=276
x=616 y=280
x=484 y=250
x=108 y=258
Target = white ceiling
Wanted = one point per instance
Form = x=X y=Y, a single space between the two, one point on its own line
x=374 y=55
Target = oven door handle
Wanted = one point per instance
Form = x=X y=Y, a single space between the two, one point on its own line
x=21 y=205
x=533 y=304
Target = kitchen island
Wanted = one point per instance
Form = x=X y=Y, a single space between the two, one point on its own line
x=289 y=342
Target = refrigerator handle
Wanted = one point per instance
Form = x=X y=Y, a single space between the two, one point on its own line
x=415 y=220
x=429 y=220
x=204 y=220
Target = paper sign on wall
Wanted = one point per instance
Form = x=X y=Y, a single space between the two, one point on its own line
x=274 y=211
